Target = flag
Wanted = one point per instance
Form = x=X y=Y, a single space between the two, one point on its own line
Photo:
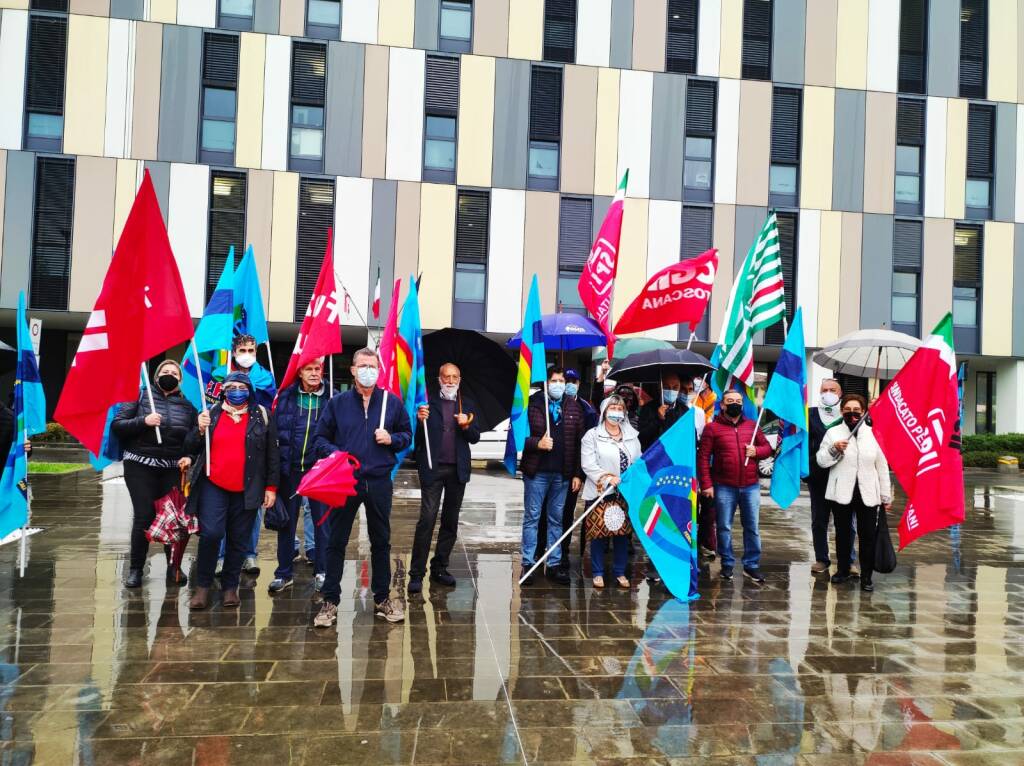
x=388 y=378
x=678 y=293
x=110 y=451
x=532 y=369
x=215 y=328
x=248 y=314
x=661 y=491
x=916 y=422
x=757 y=301
x=787 y=398
x=320 y=334
x=29 y=419
x=141 y=311
x=597 y=282
x=412 y=378
x=376 y=297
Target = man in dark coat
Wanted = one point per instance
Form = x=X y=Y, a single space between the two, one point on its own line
x=448 y=421
x=659 y=415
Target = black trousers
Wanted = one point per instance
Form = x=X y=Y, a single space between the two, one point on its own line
x=821 y=509
x=430 y=503
x=145 y=485
x=375 y=496
x=867 y=517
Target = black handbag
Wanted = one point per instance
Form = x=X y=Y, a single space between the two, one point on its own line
x=885 y=554
x=276 y=517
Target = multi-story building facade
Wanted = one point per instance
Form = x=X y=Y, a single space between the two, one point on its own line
x=479 y=142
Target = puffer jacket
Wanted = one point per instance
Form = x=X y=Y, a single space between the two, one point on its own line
x=599 y=453
x=178 y=420
x=572 y=432
x=723 y=448
x=296 y=427
x=862 y=465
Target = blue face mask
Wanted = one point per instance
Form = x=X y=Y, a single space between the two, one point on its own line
x=571 y=389
x=669 y=396
x=556 y=390
x=237 y=396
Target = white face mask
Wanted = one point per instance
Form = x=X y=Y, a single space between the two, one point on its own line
x=698 y=385
x=829 y=399
x=449 y=390
x=367 y=376
x=245 y=361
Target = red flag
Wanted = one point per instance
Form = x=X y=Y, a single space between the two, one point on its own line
x=376 y=297
x=141 y=311
x=917 y=423
x=320 y=334
x=388 y=379
x=597 y=281
x=676 y=294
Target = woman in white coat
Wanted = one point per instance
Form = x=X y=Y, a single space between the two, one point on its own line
x=858 y=482
x=607 y=451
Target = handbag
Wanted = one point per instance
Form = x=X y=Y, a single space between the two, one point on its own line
x=885 y=554
x=276 y=517
x=610 y=518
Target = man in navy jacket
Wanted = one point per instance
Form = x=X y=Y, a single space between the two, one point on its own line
x=352 y=423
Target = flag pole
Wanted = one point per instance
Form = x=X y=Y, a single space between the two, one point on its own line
x=754 y=435
x=23 y=545
x=566 y=534
x=690 y=340
x=152 y=404
x=202 y=394
x=330 y=363
x=270 y=361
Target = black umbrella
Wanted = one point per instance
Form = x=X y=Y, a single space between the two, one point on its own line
x=488 y=371
x=648 y=366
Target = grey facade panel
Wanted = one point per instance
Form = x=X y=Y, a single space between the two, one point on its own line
x=1005 y=162
x=749 y=220
x=621 y=54
x=511 y=123
x=1018 y=305
x=601 y=205
x=344 y=150
x=160 y=173
x=426 y=23
x=382 y=244
x=179 y=93
x=943 y=48
x=848 y=151
x=266 y=16
x=788 y=43
x=16 y=266
x=127 y=9
x=876 y=272
x=667 y=121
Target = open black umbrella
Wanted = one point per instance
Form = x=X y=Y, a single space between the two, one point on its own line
x=648 y=366
x=488 y=371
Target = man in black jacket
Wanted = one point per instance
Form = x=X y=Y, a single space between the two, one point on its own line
x=449 y=423
x=656 y=417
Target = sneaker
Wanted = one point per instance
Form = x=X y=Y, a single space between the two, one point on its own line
x=839 y=578
x=707 y=554
x=866 y=585
x=249 y=566
x=754 y=574
x=854 y=572
x=278 y=584
x=726 y=573
x=415 y=585
x=220 y=568
x=327 y=616
x=442 y=577
x=558 y=575
x=390 y=609
x=819 y=566
x=318 y=582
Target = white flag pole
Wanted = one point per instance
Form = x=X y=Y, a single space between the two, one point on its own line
x=202 y=395
x=23 y=545
x=152 y=404
x=270 y=362
x=754 y=436
x=565 y=534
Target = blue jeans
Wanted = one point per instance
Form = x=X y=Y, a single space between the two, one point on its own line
x=286 y=536
x=544 y=492
x=620 y=552
x=309 y=529
x=749 y=501
x=223 y=519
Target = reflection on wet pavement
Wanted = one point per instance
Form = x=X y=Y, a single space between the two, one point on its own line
x=929 y=669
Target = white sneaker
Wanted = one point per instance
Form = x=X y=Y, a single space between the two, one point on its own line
x=327 y=617
x=391 y=610
x=220 y=568
x=318 y=582
x=250 y=567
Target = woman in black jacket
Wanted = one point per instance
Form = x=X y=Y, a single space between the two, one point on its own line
x=152 y=468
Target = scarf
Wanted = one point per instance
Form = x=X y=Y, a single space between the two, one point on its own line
x=555 y=408
x=234 y=413
x=830 y=416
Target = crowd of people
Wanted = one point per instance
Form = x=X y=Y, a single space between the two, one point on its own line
x=243 y=456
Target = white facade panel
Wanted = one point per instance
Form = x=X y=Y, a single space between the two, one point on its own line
x=276 y=85
x=808 y=247
x=197 y=13
x=594 y=32
x=187 y=218
x=935 y=158
x=883 y=45
x=636 y=93
x=359 y=21
x=353 y=212
x=13 y=42
x=505 y=260
x=405 y=115
x=709 y=37
x=727 y=140
x=117 y=135
x=664 y=218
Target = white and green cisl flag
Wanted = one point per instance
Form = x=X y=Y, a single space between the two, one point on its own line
x=917 y=423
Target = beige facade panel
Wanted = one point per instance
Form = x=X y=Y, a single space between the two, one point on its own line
x=85 y=97
x=956 y=156
x=476 y=120
x=820 y=43
x=852 y=44
x=249 y=125
x=606 y=140
x=293 y=18
x=730 y=54
x=819 y=107
x=126 y=185
x=632 y=272
x=540 y=247
x=92 y=229
x=830 y=287
x=579 y=129
x=724 y=235
x=259 y=222
x=285 y=228
x=165 y=11
x=3 y=195
x=90 y=8
x=407 y=232
x=490 y=28
x=526 y=29
x=752 y=159
x=650 y=19
x=1003 y=50
x=997 y=290
x=396 y=22
x=849 y=273
x=146 y=94
x=879 y=152
x=936 y=271
x=437 y=254
x=375 y=111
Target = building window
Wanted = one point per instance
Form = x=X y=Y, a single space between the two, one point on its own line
x=909 y=155
x=235 y=14
x=681 y=37
x=973 y=47
x=696 y=232
x=757 y=39
x=906 y=276
x=323 y=19
x=220 y=91
x=560 y=30
x=776 y=334
x=913 y=46
x=456 y=26
x=309 y=82
x=967 y=249
x=59 y=6
x=699 y=147
x=784 y=174
x=980 y=161
x=575 y=237
x=51 y=233
x=316 y=215
x=227 y=224
x=545 y=127
x=441 y=107
x=44 y=82
x=985 y=403
x=471 y=221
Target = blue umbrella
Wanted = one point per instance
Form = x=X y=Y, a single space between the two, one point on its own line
x=567 y=332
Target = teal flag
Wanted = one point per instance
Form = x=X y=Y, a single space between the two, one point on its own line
x=249 y=316
x=532 y=369
x=787 y=398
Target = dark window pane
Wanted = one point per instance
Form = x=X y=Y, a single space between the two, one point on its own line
x=316 y=215
x=308 y=116
x=973 y=47
x=51 y=233
x=218 y=136
x=785 y=139
x=227 y=223
x=757 y=39
x=219 y=103
x=45 y=125
x=546 y=104
x=440 y=127
x=47 y=50
x=220 y=59
x=441 y=94
x=913 y=45
x=439 y=154
x=560 y=30
x=575 y=237
x=681 y=37
x=309 y=72
x=471 y=222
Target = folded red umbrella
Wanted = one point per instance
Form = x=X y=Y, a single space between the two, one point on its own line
x=332 y=480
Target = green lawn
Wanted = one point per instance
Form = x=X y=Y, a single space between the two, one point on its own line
x=37 y=467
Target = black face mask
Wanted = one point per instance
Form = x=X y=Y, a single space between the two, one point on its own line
x=851 y=419
x=167 y=383
x=734 y=410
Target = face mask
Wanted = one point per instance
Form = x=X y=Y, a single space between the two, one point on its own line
x=449 y=390
x=237 y=396
x=367 y=376
x=167 y=383
x=829 y=399
x=851 y=419
x=734 y=410
x=245 y=361
x=571 y=389
x=698 y=385
x=669 y=396
x=556 y=390
x=615 y=416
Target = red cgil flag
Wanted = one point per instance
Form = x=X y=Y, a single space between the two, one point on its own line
x=320 y=334
x=597 y=282
x=675 y=295
x=140 y=312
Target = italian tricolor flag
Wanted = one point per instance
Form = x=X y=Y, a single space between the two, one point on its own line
x=376 y=297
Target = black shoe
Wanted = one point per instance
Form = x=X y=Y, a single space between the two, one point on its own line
x=726 y=573
x=754 y=574
x=311 y=557
x=415 y=585
x=866 y=585
x=530 y=579
x=558 y=575
x=134 y=579
x=839 y=578
x=176 y=578
x=442 y=577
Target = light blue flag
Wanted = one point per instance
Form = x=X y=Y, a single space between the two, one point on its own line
x=412 y=379
x=249 y=316
x=215 y=328
x=532 y=369
x=33 y=396
x=787 y=398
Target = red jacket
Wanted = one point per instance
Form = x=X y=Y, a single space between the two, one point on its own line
x=726 y=442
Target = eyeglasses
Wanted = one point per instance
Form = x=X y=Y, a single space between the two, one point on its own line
x=235 y=388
